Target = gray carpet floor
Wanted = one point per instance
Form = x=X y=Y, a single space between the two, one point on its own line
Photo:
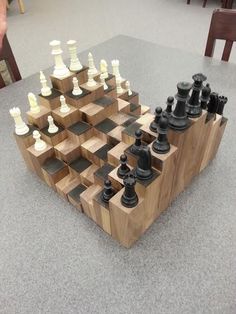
x=171 y=23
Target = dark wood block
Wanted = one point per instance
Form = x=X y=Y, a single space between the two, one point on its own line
x=54 y=138
x=102 y=174
x=52 y=101
x=74 y=196
x=79 y=165
x=54 y=170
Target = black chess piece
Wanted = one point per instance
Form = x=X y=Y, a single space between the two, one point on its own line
x=144 y=170
x=178 y=118
x=205 y=96
x=212 y=106
x=124 y=168
x=107 y=192
x=138 y=142
x=161 y=144
x=154 y=123
x=169 y=104
x=193 y=106
x=221 y=104
x=129 y=198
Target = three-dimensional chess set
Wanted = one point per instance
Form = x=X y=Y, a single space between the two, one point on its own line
x=89 y=138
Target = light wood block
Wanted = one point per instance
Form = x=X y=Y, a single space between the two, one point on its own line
x=87 y=176
x=145 y=109
x=102 y=213
x=66 y=119
x=53 y=171
x=96 y=91
x=39 y=119
x=148 y=135
x=63 y=85
x=54 y=138
x=87 y=200
x=93 y=113
x=67 y=184
x=123 y=105
x=115 y=153
x=52 y=101
x=79 y=100
x=67 y=150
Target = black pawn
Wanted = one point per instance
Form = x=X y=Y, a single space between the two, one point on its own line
x=212 y=106
x=161 y=144
x=193 y=106
x=169 y=104
x=138 y=142
x=154 y=123
x=205 y=96
x=129 y=198
x=144 y=170
x=107 y=192
x=178 y=118
x=123 y=169
x=221 y=104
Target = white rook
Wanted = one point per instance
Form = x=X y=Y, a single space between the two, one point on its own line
x=60 y=69
x=20 y=126
x=75 y=64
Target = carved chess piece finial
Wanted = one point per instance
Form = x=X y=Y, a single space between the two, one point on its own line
x=178 y=118
x=144 y=171
x=129 y=198
x=205 y=96
x=222 y=101
x=138 y=142
x=21 y=127
x=39 y=144
x=193 y=106
x=161 y=144
x=107 y=192
x=124 y=168
x=154 y=123
x=169 y=104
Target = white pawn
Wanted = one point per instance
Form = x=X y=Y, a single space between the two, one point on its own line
x=91 y=82
x=103 y=82
x=91 y=64
x=76 y=90
x=64 y=107
x=127 y=86
x=39 y=144
x=20 y=126
x=75 y=64
x=119 y=89
x=103 y=68
x=34 y=107
x=52 y=126
x=60 y=69
x=45 y=90
x=115 y=68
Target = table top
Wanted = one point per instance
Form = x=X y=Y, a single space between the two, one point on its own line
x=56 y=260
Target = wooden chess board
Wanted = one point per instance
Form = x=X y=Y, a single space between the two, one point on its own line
x=99 y=127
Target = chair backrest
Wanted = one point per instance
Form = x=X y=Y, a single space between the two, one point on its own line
x=7 y=55
x=223 y=26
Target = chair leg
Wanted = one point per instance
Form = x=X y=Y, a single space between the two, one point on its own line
x=227 y=50
x=210 y=47
x=204 y=3
x=2 y=83
x=21 y=6
x=188 y=1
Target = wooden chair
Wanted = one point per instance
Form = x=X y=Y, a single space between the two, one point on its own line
x=223 y=26
x=203 y=4
x=20 y=4
x=7 y=55
x=227 y=4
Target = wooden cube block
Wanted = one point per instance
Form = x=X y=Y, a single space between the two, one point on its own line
x=67 y=150
x=110 y=92
x=92 y=113
x=54 y=170
x=66 y=118
x=39 y=119
x=52 y=101
x=80 y=132
x=74 y=196
x=86 y=199
x=116 y=182
x=219 y=136
x=120 y=118
x=103 y=128
x=134 y=98
x=102 y=213
x=148 y=135
x=63 y=84
x=102 y=174
x=128 y=134
x=96 y=91
x=79 y=165
x=115 y=135
x=100 y=156
x=82 y=75
x=109 y=104
x=123 y=105
x=145 y=109
x=111 y=80
x=54 y=138
x=89 y=148
x=135 y=109
x=79 y=100
x=146 y=119
x=87 y=176
x=115 y=153
x=66 y=185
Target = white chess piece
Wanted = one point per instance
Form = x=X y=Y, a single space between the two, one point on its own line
x=76 y=90
x=119 y=89
x=91 y=64
x=20 y=126
x=103 y=68
x=52 y=126
x=127 y=86
x=34 y=107
x=64 y=107
x=115 y=68
x=39 y=144
x=45 y=90
x=60 y=69
x=75 y=64
x=103 y=82
x=91 y=82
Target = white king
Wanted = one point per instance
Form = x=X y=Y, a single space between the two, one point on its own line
x=75 y=64
x=39 y=144
x=91 y=64
x=60 y=69
x=34 y=107
x=45 y=90
x=20 y=126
